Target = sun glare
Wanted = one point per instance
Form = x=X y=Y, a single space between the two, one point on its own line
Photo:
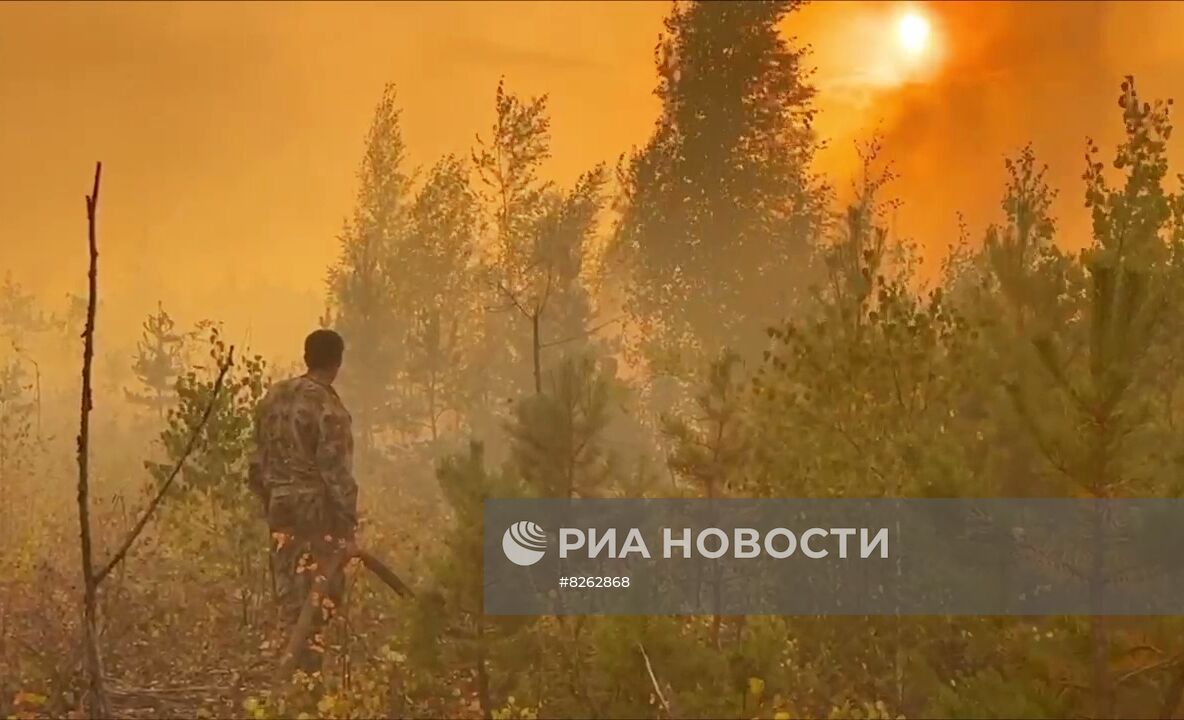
x=912 y=32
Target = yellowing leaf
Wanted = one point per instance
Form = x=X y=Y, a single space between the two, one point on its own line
x=325 y=704
x=28 y=698
x=756 y=686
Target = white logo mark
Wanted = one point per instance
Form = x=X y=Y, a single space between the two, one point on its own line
x=524 y=543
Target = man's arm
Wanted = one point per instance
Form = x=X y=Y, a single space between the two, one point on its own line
x=335 y=462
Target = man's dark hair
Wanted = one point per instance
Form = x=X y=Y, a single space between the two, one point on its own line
x=323 y=349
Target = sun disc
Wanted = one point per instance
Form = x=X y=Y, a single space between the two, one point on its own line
x=912 y=31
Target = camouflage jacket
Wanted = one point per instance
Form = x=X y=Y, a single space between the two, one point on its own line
x=304 y=445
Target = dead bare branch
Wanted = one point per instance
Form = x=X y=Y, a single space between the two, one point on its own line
x=96 y=696
x=164 y=487
x=584 y=333
x=513 y=298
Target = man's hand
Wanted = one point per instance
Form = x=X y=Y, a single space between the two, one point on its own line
x=350 y=548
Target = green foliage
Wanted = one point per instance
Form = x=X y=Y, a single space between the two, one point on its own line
x=507 y=166
x=1096 y=422
x=453 y=639
x=557 y=437
x=210 y=506
x=867 y=397
x=710 y=447
x=217 y=468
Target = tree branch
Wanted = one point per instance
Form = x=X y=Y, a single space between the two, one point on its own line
x=164 y=487
x=512 y=298
x=583 y=334
x=542 y=302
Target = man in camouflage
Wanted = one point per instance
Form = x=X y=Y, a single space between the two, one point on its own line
x=302 y=471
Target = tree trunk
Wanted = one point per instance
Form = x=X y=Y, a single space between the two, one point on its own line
x=432 y=404
x=96 y=695
x=96 y=702
x=1098 y=628
x=536 y=353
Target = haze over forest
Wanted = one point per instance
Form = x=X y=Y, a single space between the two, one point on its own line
x=232 y=132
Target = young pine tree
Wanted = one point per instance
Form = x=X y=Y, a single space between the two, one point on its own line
x=1086 y=391
x=709 y=446
x=557 y=436
x=158 y=363
x=454 y=641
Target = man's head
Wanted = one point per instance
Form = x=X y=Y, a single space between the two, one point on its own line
x=323 y=350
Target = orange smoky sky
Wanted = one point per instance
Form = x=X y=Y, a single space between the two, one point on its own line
x=230 y=132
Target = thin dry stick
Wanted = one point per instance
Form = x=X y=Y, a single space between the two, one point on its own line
x=650 y=669
x=96 y=696
x=164 y=487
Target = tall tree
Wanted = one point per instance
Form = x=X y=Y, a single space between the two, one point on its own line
x=360 y=282
x=158 y=362
x=540 y=234
x=437 y=296
x=1087 y=393
x=720 y=205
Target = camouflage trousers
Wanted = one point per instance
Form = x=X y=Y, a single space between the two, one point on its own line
x=301 y=546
